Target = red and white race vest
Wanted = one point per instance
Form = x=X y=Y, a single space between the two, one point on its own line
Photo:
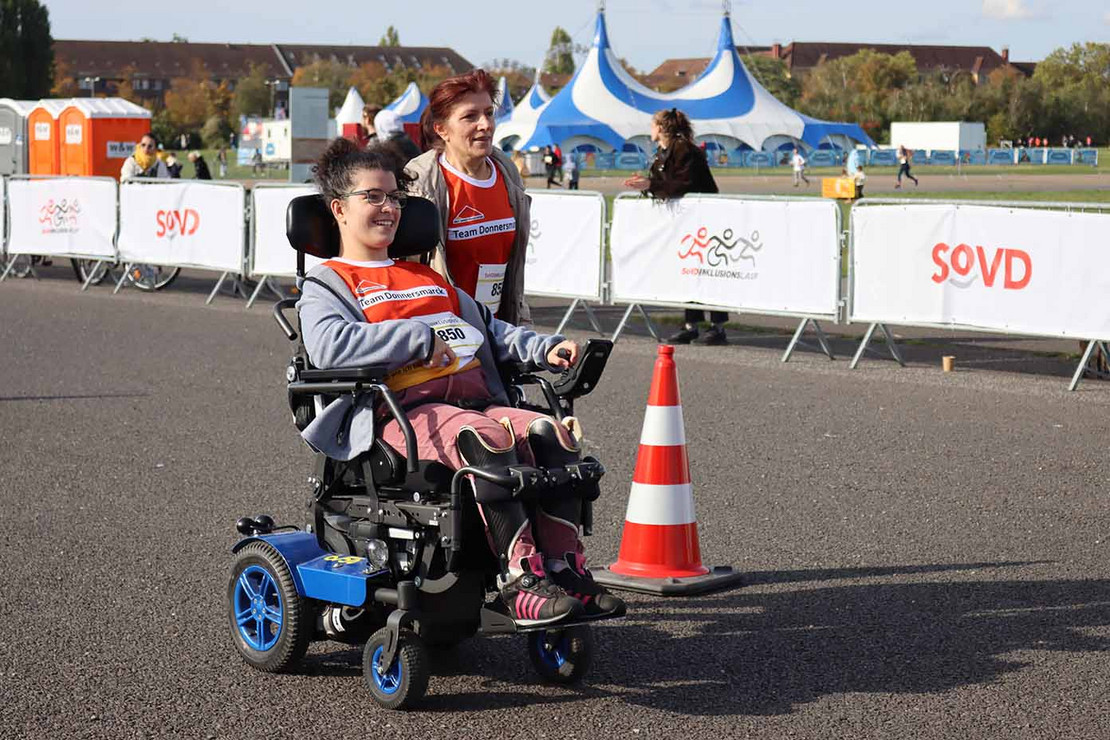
x=389 y=290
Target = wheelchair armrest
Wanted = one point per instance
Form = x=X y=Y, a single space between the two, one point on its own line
x=367 y=373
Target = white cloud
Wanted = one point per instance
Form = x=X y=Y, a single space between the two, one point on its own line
x=1006 y=10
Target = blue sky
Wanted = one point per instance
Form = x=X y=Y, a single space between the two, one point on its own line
x=644 y=31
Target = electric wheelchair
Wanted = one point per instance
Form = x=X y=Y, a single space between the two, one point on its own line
x=394 y=552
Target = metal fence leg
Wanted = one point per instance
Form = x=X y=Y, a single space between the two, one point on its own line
x=92 y=274
x=126 y=272
x=624 y=320
x=862 y=346
x=794 y=339
x=258 y=289
x=892 y=346
x=217 y=288
x=592 y=317
x=8 y=268
x=823 y=340
x=1082 y=365
x=567 y=315
x=650 y=323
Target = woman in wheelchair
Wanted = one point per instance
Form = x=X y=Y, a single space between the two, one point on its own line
x=441 y=351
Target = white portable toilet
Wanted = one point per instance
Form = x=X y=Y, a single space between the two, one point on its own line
x=13 y=135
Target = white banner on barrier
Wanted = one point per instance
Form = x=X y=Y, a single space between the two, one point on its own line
x=747 y=255
x=182 y=223
x=1013 y=269
x=565 y=246
x=62 y=217
x=271 y=253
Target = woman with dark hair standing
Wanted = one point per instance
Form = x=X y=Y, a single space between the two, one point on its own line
x=484 y=211
x=680 y=167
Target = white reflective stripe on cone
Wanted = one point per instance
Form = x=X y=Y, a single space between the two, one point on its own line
x=663 y=427
x=661 y=505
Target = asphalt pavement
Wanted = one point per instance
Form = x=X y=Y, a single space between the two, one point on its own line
x=925 y=553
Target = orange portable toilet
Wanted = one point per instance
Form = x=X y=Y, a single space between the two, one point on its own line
x=98 y=134
x=42 y=132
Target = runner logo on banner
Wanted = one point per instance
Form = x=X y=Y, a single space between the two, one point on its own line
x=61 y=216
x=715 y=253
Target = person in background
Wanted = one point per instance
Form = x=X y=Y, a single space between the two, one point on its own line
x=571 y=168
x=369 y=113
x=558 y=153
x=799 y=164
x=485 y=213
x=680 y=167
x=905 y=158
x=200 y=166
x=550 y=167
x=221 y=160
x=861 y=179
x=256 y=163
x=173 y=166
x=184 y=141
x=144 y=161
x=391 y=135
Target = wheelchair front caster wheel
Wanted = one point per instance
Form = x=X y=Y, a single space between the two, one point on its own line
x=561 y=655
x=402 y=684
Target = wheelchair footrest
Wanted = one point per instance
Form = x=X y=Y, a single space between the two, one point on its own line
x=496 y=621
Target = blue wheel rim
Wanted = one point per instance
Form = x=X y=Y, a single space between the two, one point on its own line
x=390 y=681
x=559 y=652
x=258 y=608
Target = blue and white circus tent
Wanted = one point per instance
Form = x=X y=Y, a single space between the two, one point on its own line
x=522 y=123
x=410 y=104
x=605 y=106
x=504 y=101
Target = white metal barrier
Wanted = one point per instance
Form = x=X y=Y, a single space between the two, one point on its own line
x=566 y=249
x=771 y=256
x=183 y=223
x=73 y=217
x=270 y=253
x=1033 y=269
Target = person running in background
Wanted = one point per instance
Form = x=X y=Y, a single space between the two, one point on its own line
x=550 y=167
x=905 y=157
x=799 y=163
x=555 y=150
x=201 y=171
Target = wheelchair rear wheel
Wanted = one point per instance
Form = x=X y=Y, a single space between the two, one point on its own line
x=561 y=656
x=405 y=682
x=152 y=277
x=270 y=623
x=98 y=269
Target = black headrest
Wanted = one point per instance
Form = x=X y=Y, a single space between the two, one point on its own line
x=311 y=228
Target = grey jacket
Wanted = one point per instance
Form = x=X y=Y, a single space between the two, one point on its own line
x=431 y=185
x=336 y=334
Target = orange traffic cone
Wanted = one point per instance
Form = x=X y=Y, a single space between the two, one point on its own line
x=659 y=547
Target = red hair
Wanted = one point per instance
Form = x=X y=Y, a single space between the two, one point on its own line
x=445 y=96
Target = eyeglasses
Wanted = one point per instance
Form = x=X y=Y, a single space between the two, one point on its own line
x=377 y=197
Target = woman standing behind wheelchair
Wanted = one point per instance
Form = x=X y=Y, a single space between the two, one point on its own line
x=440 y=348
x=484 y=210
x=680 y=167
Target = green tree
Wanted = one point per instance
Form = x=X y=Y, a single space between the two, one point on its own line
x=391 y=38
x=775 y=78
x=329 y=73
x=26 y=50
x=560 y=54
x=252 y=94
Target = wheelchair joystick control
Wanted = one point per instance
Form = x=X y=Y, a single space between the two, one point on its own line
x=564 y=353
